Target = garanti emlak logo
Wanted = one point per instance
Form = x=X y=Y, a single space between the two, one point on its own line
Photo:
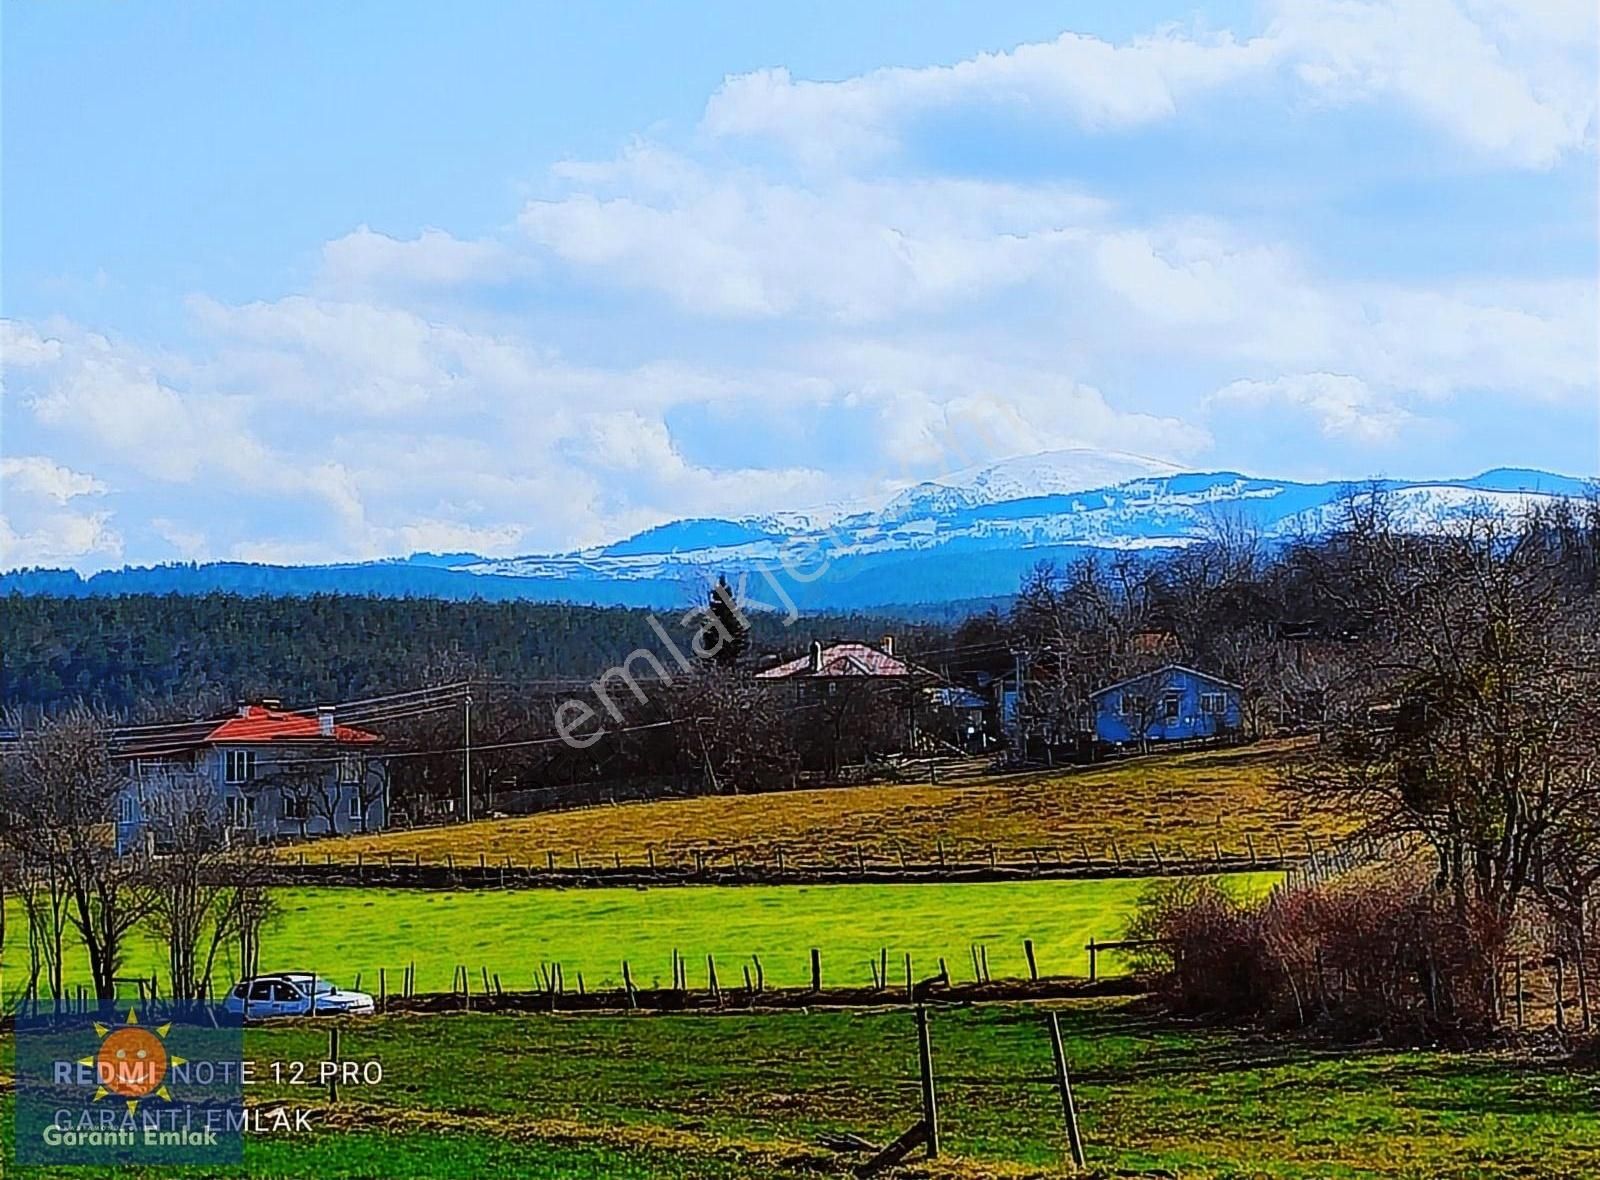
x=120 y=1085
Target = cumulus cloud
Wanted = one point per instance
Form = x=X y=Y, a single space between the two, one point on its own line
x=1514 y=83
x=741 y=244
x=40 y=526
x=1084 y=79
x=35 y=475
x=367 y=261
x=1342 y=406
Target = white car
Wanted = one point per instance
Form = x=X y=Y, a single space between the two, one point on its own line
x=289 y=993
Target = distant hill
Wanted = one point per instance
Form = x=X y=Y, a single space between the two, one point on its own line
x=967 y=536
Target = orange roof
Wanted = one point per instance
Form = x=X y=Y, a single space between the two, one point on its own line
x=261 y=724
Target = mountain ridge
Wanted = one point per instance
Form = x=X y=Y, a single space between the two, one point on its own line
x=970 y=535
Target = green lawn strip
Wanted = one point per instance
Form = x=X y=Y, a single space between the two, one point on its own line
x=1152 y=1097
x=345 y=932
x=461 y=1152
x=1211 y=1103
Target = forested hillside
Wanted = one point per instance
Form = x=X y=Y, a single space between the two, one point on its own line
x=166 y=652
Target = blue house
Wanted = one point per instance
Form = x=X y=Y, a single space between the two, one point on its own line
x=1172 y=703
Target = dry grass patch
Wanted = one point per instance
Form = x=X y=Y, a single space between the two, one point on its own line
x=1189 y=800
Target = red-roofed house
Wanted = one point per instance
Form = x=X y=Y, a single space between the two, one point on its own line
x=272 y=773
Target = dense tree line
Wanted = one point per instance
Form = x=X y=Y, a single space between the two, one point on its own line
x=178 y=654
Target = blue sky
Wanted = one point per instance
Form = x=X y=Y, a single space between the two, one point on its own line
x=300 y=282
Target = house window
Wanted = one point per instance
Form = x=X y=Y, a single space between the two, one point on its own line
x=1132 y=704
x=350 y=768
x=126 y=810
x=292 y=808
x=355 y=807
x=1171 y=706
x=1214 y=704
x=239 y=766
x=241 y=811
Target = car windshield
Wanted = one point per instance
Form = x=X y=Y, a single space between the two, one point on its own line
x=303 y=982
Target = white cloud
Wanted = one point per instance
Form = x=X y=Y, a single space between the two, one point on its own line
x=84 y=540
x=23 y=346
x=738 y=244
x=38 y=527
x=36 y=475
x=1343 y=407
x=366 y=261
x=1090 y=82
x=1515 y=83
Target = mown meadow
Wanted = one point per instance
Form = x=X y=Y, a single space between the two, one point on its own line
x=350 y=932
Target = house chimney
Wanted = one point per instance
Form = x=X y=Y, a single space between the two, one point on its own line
x=816 y=657
x=325 y=720
x=888 y=645
x=244 y=708
x=272 y=703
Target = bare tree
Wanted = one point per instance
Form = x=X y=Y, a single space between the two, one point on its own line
x=371 y=785
x=300 y=786
x=1471 y=717
x=202 y=888
x=60 y=795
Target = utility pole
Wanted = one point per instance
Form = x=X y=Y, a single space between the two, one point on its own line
x=466 y=761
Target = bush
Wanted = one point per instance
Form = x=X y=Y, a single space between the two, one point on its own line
x=1377 y=953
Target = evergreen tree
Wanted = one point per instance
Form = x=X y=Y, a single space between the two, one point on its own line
x=727 y=631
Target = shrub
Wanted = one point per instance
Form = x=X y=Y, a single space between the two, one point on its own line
x=1378 y=953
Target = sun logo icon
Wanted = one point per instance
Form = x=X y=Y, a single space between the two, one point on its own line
x=132 y=1061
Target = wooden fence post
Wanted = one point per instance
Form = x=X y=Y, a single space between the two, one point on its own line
x=1033 y=967
x=930 y=1103
x=816 y=970
x=627 y=985
x=333 y=1056
x=711 y=979
x=1093 y=955
x=1064 y=1083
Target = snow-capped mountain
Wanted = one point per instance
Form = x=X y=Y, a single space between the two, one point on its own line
x=1024 y=477
x=971 y=534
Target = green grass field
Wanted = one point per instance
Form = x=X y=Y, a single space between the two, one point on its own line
x=748 y=1096
x=345 y=931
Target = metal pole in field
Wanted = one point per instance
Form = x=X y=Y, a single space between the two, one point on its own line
x=1064 y=1083
x=466 y=758
x=930 y=1104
